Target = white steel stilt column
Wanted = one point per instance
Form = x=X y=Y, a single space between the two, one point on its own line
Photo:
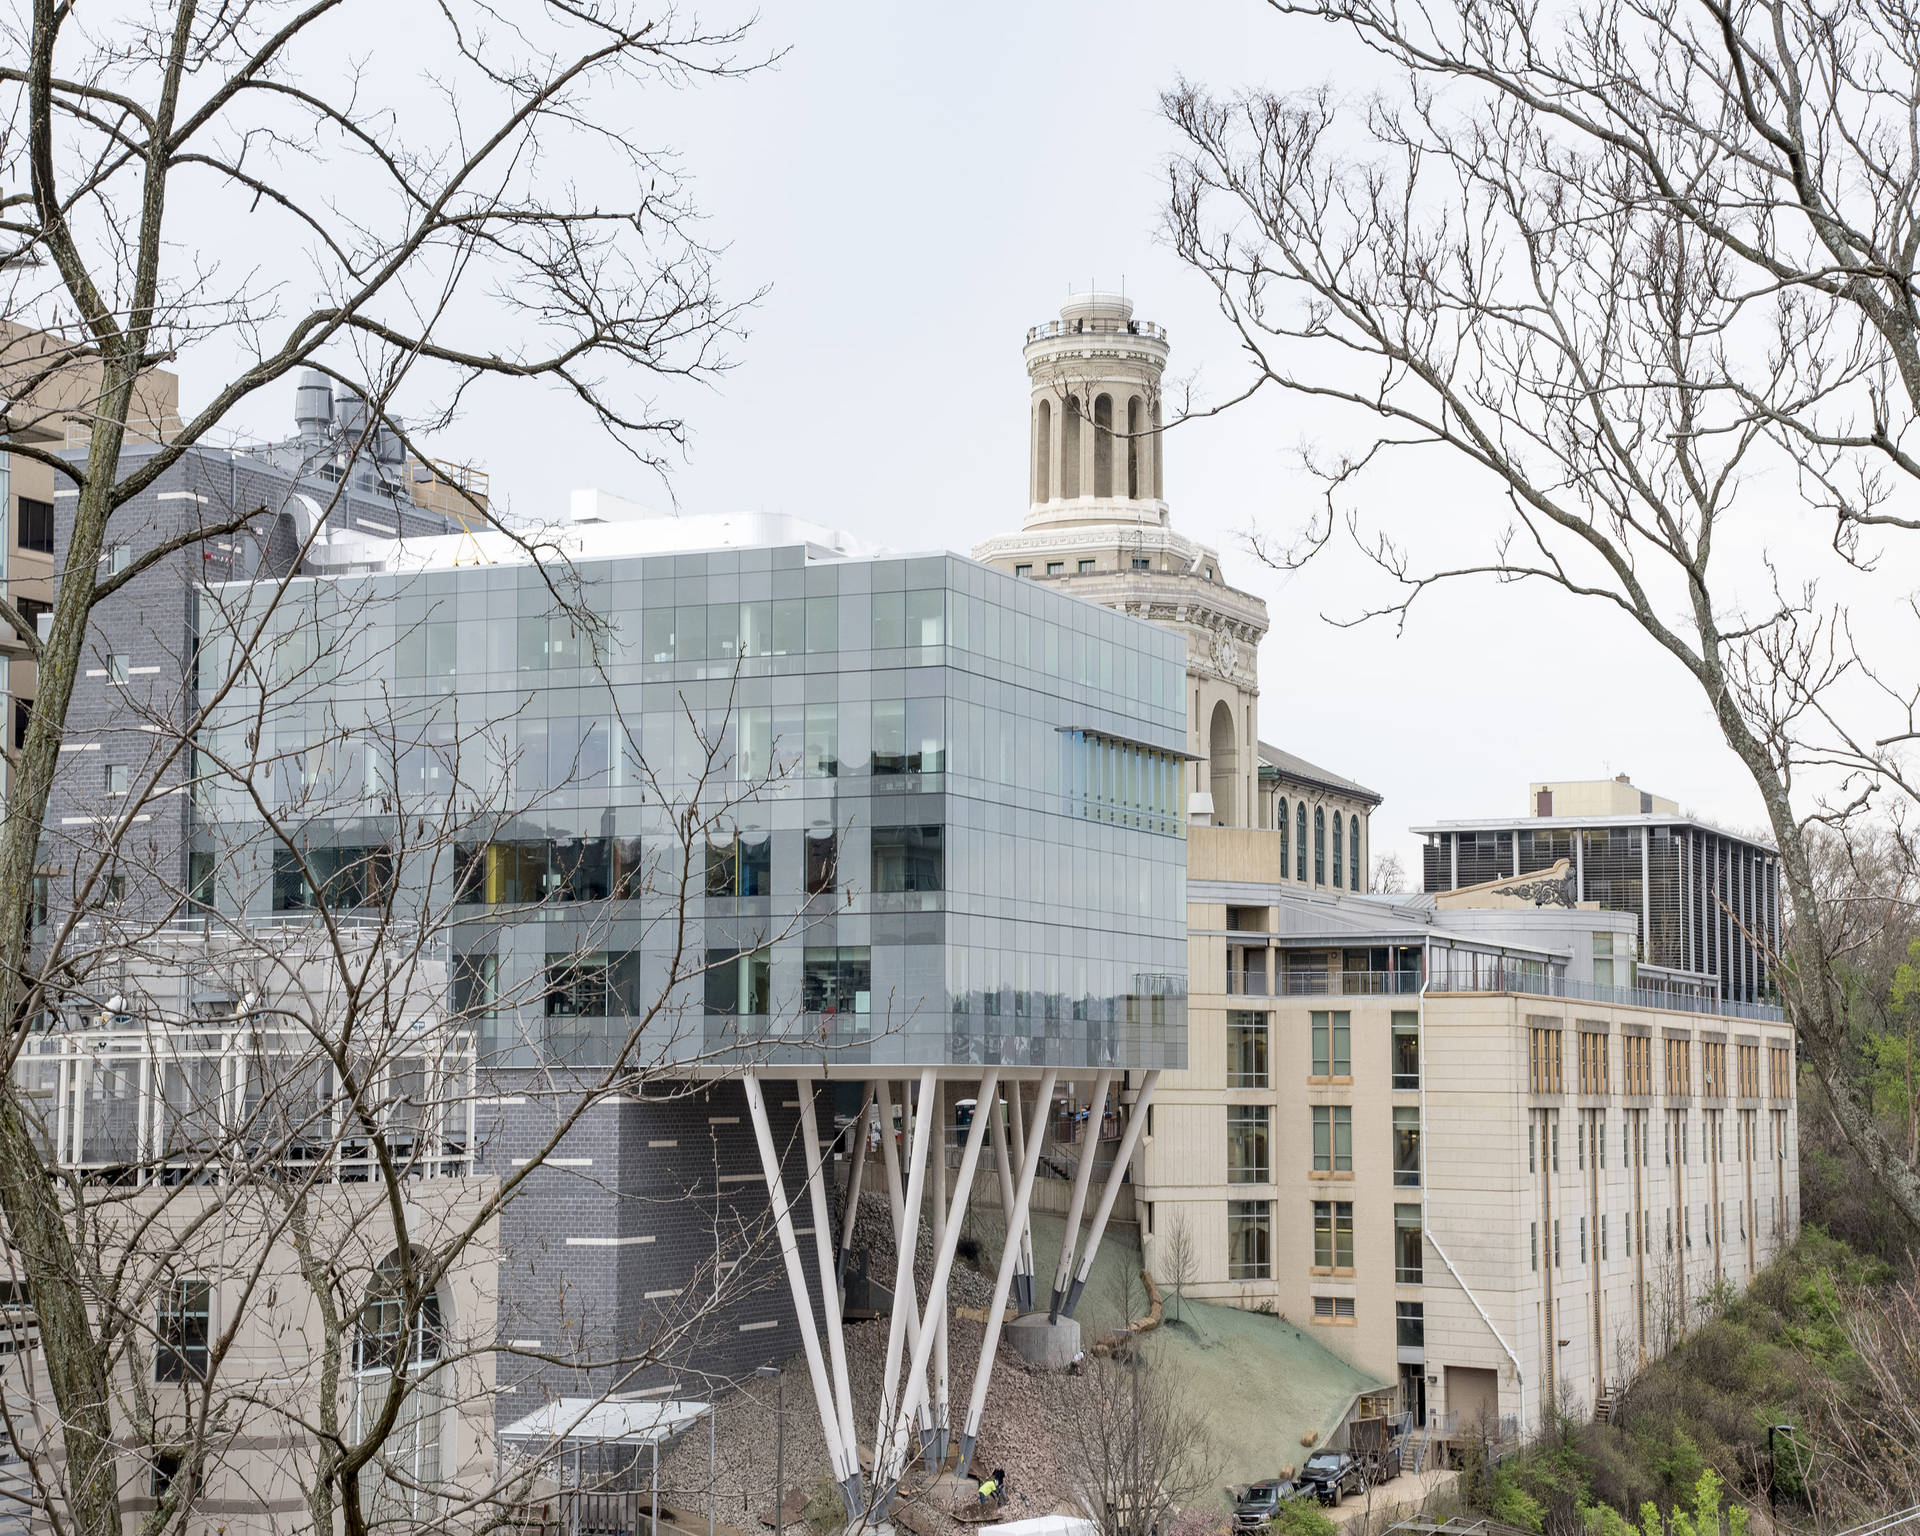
x=851 y=1205
x=1007 y=1175
x=1082 y=1176
x=942 y=1270
x=846 y=1466
x=823 y=1256
x=903 y=1283
x=1003 y=1282
x=1136 y=1123
x=910 y=1303
x=1023 y=1274
x=934 y=1447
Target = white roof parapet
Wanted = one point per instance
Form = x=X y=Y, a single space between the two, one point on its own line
x=596 y=1421
x=1633 y=819
x=597 y=526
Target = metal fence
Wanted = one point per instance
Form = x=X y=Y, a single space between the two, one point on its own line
x=1245 y=982
x=172 y=1103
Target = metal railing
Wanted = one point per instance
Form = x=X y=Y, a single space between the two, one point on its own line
x=1097 y=327
x=1246 y=982
x=170 y=1103
x=1494 y=975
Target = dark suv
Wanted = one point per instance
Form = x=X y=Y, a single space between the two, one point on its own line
x=1331 y=1475
x=1260 y=1503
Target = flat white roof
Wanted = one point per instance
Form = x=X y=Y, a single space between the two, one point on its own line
x=596 y=1421
x=1636 y=819
x=597 y=526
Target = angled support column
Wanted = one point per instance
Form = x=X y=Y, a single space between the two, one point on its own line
x=910 y=1304
x=1002 y=1284
x=1023 y=1275
x=1136 y=1123
x=846 y=1465
x=1007 y=1176
x=933 y=1443
x=850 y=1492
x=850 y=1207
x=1082 y=1176
x=942 y=1271
x=904 y=1304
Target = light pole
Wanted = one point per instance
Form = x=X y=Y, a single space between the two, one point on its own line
x=773 y=1373
x=1773 y=1467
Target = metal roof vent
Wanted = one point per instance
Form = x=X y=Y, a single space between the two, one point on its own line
x=313 y=407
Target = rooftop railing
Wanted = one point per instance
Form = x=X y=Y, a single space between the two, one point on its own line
x=1242 y=982
x=1097 y=327
x=1529 y=979
x=1491 y=974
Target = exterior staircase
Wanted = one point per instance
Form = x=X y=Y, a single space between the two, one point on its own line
x=1603 y=1407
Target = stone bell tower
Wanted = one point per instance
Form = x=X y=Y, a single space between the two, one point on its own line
x=1097 y=525
x=1095 y=415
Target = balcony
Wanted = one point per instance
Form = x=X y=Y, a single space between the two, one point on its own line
x=1242 y=982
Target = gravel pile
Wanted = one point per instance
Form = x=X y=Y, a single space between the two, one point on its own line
x=1014 y=1432
x=873 y=1236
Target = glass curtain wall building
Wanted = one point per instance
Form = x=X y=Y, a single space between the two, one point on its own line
x=1703 y=895
x=938 y=809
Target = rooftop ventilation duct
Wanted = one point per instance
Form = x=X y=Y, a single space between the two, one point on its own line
x=350 y=414
x=313 y=407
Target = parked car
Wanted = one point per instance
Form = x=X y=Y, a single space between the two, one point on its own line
x=1331 y=1475
x=1260 y=1503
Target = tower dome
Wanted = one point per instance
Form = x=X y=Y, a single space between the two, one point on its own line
x=1095 y=415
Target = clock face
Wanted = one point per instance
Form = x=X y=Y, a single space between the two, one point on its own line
x=1226 y=655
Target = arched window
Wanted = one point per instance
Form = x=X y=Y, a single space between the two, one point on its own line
x=1103 y=445
x=1280 y=821
x=1070 y=449
x=1353 y=833
x=1319 y=845
x=1043 y=450
x=393 y=1349
x=1339 y=853
x=1136 y=420
x=1222 y=765
x=1300 y=842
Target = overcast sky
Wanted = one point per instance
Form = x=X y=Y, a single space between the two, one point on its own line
x=919 y=184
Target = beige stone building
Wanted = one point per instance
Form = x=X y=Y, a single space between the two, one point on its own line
x=1454 y=1134
x=1426 y=1132
x=231 y=1186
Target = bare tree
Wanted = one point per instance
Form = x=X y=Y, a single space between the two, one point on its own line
x=1863 y=1437
x=443 y=246
x=1182 y=1261
x=1633 y=271
x=1389 y=876
x=1134 y=1450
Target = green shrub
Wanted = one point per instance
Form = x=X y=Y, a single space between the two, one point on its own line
x=1513 y=1505
x=1302 y=1517
x=825 y=1512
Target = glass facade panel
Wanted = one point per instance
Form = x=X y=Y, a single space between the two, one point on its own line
x=986 y=774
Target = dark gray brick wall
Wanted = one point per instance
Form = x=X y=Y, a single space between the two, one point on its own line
x=682 y=1172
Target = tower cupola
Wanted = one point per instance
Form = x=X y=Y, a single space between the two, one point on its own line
x=1095 y=415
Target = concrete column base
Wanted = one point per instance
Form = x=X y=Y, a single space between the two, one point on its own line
x=1049 y=1345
